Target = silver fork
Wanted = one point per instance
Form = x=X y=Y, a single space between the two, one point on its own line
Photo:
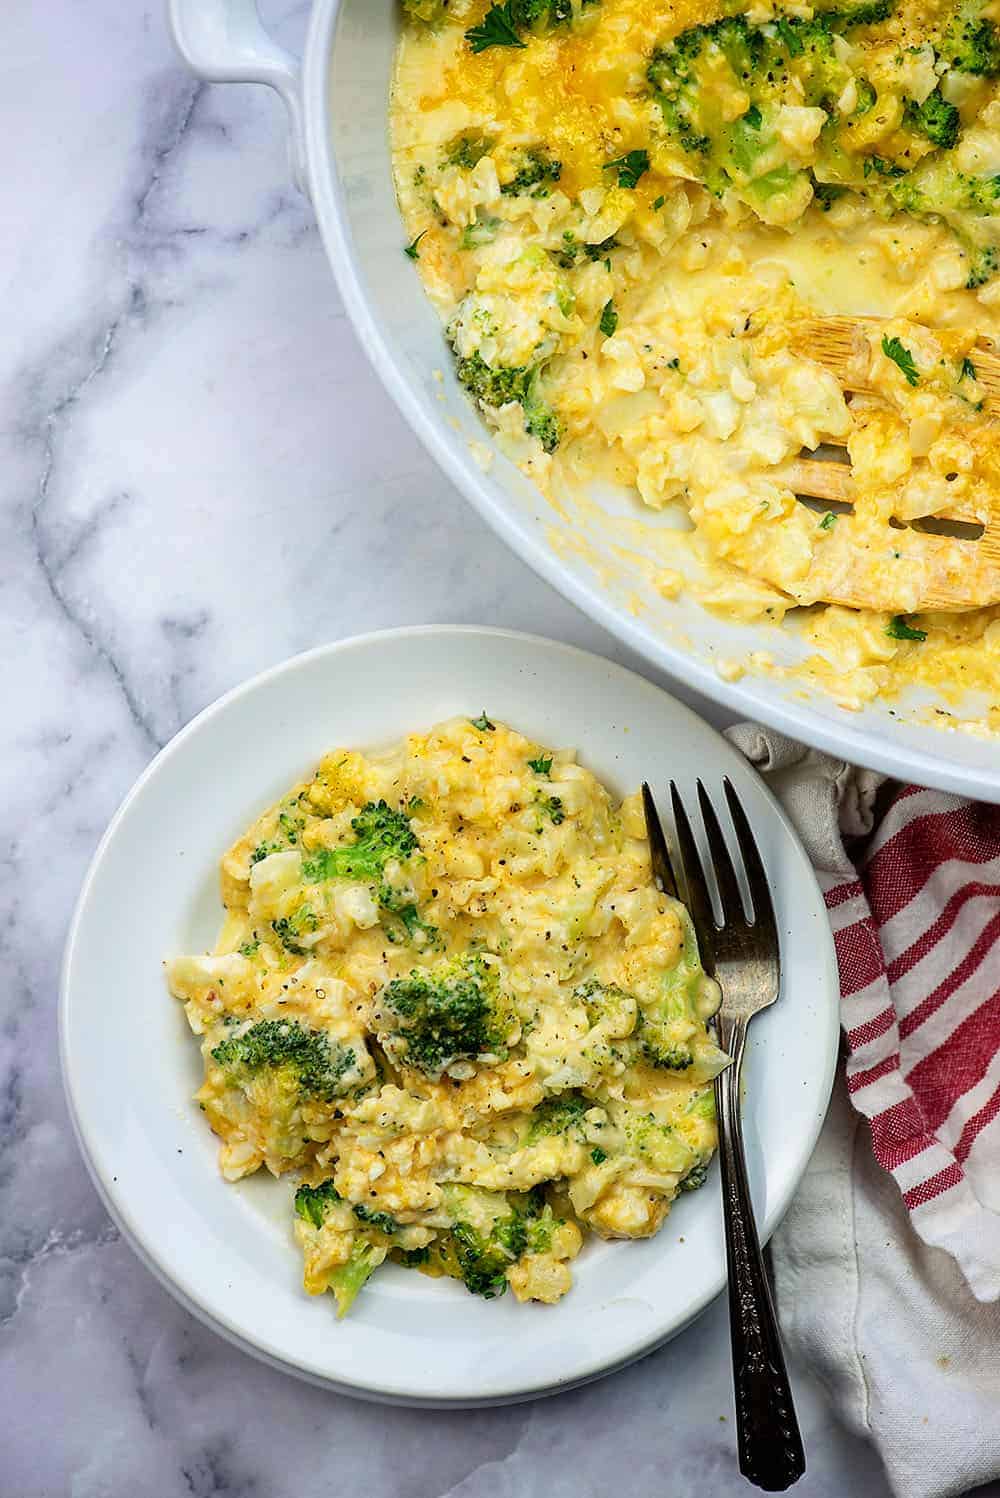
x=743 y=956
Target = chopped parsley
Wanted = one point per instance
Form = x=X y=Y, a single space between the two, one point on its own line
x=828 y=522
x=541 y=766
x=609 y=320
x=630 y=167
x=597 y=1155
x=898 y=629
x=412 y=248
x=483 y=723
x=901 y=356
x=498 y=28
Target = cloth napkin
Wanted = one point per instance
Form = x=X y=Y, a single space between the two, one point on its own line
x=887 y=1265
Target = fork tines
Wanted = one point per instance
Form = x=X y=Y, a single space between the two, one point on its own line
x=734 y=922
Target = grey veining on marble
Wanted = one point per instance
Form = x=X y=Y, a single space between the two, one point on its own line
x=199 y=475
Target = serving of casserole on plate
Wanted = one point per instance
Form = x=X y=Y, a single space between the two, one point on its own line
x=448 y=997
x=631 y=214
x=507 y=1108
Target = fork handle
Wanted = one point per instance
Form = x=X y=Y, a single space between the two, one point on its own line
x=767 y=1431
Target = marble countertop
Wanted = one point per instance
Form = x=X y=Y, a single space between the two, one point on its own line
x=182 y=396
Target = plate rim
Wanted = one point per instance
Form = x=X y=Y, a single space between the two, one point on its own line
x=211 y=1316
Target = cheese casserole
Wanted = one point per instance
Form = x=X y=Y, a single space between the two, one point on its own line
x=622 y=209
x=449 y=999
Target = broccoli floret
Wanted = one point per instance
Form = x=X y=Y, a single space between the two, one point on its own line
x=287 y=832
x=541 y=13
x=265 y=849
x=539 y=1220
x=466 y=150
x=669 y=1057
x=867 y=13
x=324 y=1069
x=699 y=1111
x=347 y=1279
x=492 y=387
x=483 y=231
x=866 y=97
x=412 y=1258
x=381 y=835
x=538 y=169
x=289 y=928
x=313 y=1205
x=483 y=1261
x=662 y=1148
x=936 y=190
x=572 y=248
x=982 y=194
x=489 y=1233
x=694 y=1178
x=313 y=1202
x=498 y=387
x=672 y=1032
x=406 y=924
x=789 y=61
x=539 y=418
x=984 y=262
x=382 y=1222
x=561 y=1114
x=451 y=1012
x=667 y=1034
x=431 y=12
x=935 y=118
x=607 y=1004
x=970 y=42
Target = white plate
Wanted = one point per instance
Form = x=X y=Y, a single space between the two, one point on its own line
x=131 y=1065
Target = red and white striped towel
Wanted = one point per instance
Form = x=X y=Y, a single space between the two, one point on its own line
x=888 y=1262
x=916 y=926
x=917 y=934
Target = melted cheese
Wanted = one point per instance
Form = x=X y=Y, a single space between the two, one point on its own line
x=523 y=875
x=689 y=394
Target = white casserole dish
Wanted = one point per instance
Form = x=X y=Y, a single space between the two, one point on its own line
x=337 y=102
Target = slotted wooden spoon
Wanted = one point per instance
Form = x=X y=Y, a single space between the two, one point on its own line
x=955 y=552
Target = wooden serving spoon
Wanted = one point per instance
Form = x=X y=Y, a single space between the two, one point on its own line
x=956 y=551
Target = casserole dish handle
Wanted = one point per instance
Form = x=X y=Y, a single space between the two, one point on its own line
x=223 y=41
